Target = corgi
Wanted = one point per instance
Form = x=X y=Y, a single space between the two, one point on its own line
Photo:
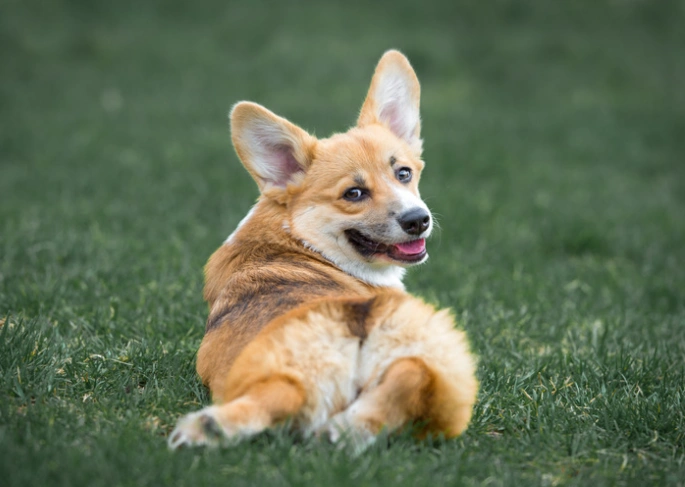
x=309 y=323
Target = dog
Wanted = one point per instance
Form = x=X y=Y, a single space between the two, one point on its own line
x=309 y=323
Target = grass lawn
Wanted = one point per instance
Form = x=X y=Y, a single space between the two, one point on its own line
x=555 y=150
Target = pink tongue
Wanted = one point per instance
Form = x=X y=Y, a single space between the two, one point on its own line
x=413 y=247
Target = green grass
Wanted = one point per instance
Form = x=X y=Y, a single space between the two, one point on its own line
x=555 y=149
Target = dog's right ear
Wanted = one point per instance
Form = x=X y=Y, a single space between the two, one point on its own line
x=274 y=151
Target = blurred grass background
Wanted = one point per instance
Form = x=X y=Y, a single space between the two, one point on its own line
x=555 y=149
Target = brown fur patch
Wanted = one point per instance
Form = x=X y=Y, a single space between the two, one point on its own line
x=357 y=314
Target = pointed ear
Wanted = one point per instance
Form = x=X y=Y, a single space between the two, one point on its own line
x=274 y=151
x=393 y=99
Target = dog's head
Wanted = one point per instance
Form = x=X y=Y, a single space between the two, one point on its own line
x=353 y=197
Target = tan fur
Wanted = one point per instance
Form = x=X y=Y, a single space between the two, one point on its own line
x=301 y=325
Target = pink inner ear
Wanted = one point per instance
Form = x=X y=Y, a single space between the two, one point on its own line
x=392 y=115
x=284 y=167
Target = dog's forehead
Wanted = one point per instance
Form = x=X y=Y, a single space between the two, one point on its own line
x=371 y=147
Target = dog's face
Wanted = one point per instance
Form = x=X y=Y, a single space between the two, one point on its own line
x=352 y=197
x=360 y=199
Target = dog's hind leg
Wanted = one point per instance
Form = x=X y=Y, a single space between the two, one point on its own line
x=403 y=395
x=263 y=404
x=300 y=367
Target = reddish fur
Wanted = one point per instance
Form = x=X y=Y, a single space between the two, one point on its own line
x=272 y=400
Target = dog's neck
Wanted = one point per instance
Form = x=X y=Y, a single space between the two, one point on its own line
x=269 y=218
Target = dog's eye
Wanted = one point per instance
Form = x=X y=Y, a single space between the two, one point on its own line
x=403 y=175
x=355 y=194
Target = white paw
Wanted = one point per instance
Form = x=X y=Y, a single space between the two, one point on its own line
x=347 y=435
x=336 y=427
x=197 y=429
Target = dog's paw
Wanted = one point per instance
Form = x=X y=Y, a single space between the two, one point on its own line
x=197 y=429
x=346 y=434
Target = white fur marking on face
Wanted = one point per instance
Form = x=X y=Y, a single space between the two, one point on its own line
x=242 y=222
x=407 y=199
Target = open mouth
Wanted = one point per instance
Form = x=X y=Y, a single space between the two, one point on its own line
x=409 y=252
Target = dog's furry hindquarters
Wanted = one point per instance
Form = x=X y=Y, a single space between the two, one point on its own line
x=376 y=355
x=414 y=365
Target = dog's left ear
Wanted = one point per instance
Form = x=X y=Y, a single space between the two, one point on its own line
x=393 y=99
x=274 y=151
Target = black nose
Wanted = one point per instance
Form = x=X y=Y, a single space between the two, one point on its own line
x=415 y=221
